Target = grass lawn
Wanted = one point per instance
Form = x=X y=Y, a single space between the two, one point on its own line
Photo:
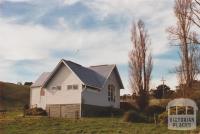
x=14 y=124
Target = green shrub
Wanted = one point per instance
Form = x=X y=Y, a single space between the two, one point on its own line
x=198 y=118
x=142 y=100
x=26 y=107
x=163 y=118
x=134 y=116
x=36 y=112
x=154 y=110
x=127 y=106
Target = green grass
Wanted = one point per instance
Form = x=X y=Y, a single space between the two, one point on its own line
x=15 y=97
x=14 y=124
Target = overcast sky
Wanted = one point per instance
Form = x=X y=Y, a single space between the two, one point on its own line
x=36 y=34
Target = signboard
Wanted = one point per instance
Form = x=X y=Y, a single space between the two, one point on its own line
x=182 y=114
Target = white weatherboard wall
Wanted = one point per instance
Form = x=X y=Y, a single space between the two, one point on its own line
x=101 y=98
x=35 y=97
x=63 y=77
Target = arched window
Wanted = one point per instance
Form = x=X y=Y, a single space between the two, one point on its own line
x=111 y=93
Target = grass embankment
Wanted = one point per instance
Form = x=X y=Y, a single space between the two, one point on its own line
x=13 y=96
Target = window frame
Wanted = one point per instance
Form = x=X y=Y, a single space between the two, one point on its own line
x=69 y=87
x=75 y=86
x=111 y=93
x=72 y=87
x=56 y=87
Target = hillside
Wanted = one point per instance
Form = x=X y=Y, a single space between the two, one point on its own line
x=13 y=96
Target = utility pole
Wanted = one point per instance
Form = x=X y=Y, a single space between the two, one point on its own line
x=163 y=86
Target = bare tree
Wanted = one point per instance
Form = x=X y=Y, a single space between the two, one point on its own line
x=186 y=40
x=195 y=9
x=140 y=63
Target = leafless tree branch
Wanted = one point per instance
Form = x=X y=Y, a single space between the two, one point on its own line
x=140 y=62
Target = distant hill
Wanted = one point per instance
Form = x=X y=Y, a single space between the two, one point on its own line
x=13 y=96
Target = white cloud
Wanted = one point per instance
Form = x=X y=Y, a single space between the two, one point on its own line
x=156 y=14
x=98 y=46
x=138 y=8
x=24 y=42
x=16 y=0
x=35 y=42
x=32 y=42
x=70 y=2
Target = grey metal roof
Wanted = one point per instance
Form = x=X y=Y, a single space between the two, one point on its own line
x=88 y=76
x=103 y=70
x=94 y=76
x=42 y=78
x=106 y=70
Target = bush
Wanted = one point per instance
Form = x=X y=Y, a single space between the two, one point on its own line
x=127 y=106
x=36 y=112
x=26 y=107
x=198 y=118
x=163 y=118
x=142 y=100
x=133 y=116
x=154 y=110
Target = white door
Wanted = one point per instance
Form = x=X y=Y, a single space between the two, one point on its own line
x=42 y=99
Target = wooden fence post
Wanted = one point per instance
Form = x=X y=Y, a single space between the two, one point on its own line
x=49 y=112
x=60 y=111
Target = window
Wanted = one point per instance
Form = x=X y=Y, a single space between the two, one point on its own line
x=59 y=87
x=190 y=110
x=69 y=87
x=75 y=87
x=111 y=93
x=56 y=88
x=181 y=110
x=53 y=88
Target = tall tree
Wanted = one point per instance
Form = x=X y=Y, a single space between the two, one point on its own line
x=195 y=9
x=186 y=39
x=140 y=63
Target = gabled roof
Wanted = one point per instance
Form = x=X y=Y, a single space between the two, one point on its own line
x=40 y=81
x=103 y=70
x=94 y=76
x=86 y=75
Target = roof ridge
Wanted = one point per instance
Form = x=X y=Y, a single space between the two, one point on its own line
x=94 y=75
x=72 y=62
x=89 y=66
x=103 y=65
